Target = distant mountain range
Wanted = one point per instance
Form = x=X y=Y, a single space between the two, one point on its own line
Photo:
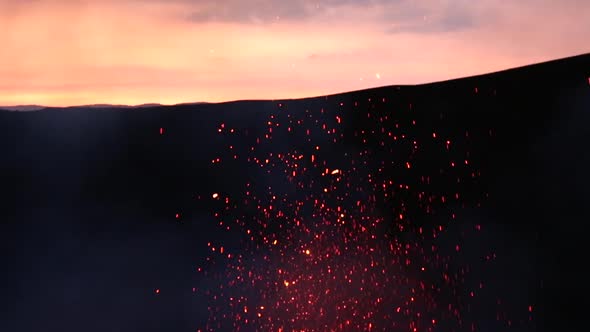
x=23 y=108
x=28 y=108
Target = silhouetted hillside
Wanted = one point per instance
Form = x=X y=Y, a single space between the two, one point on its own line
x=22 y=108
x=101 y=207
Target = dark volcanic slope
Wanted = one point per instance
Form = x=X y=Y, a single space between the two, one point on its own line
x=459 y=205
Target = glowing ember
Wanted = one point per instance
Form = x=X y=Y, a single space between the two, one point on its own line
x=350 y=239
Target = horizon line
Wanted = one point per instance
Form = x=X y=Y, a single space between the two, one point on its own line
x=156 y=104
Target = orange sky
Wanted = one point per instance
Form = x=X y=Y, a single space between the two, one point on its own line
x=75 y=52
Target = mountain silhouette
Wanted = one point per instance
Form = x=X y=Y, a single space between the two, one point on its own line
x=101 y=207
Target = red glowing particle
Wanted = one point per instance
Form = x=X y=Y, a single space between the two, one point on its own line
x=178 y=216
x=302 y=273
x=215 y=195
x=530 y=308
x=161 y=131
x=157 y=291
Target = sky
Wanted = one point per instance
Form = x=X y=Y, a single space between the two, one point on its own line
x=77 y=52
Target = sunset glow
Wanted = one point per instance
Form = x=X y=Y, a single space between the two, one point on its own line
x=60 y=53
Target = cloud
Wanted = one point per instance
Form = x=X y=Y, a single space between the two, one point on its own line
x=256 y=11
x=266 y=11
x=395 y=16
x=429 y=17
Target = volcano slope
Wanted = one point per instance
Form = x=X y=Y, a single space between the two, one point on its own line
x=452 y=206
